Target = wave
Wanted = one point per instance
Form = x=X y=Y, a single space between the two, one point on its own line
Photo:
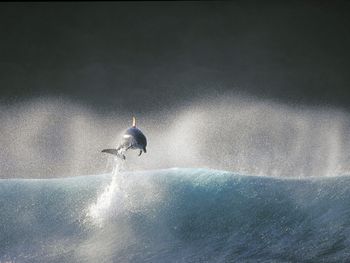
x=175 y=215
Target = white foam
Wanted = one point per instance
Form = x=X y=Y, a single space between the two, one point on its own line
x=110 y=202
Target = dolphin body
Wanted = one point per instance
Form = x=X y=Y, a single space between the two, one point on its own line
x=133 y=138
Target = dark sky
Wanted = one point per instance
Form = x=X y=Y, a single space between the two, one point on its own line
x=147 y=56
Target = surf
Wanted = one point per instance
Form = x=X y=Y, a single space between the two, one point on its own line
x=174 y=215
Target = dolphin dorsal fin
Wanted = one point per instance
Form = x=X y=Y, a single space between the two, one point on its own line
x=133 y=121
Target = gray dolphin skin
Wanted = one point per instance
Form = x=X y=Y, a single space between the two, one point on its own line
x=133 y=138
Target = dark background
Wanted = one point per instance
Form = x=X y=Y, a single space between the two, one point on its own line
x=146 y=56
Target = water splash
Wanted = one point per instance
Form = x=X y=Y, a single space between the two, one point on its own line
x=110 y=202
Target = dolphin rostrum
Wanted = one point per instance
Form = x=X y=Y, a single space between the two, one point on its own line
x=133 y=138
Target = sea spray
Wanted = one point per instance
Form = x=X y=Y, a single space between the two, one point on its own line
x=110 y=201
x=232 y=133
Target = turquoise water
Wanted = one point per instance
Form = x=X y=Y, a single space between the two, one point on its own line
x=175 y=215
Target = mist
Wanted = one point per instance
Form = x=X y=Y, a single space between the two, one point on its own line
x=57 y=137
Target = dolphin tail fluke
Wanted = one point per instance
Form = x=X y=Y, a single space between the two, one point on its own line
x=114 y=152
x=111 y=151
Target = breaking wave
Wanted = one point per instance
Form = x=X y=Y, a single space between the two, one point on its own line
x=175 y=215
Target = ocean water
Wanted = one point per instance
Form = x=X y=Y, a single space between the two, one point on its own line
x=175 y=215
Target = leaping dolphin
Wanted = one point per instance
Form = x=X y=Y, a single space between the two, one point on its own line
x=133 y=138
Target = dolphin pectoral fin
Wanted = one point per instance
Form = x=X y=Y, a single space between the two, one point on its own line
x=140 y=152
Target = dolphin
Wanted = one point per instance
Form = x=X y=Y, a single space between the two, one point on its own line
x=133 y=138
